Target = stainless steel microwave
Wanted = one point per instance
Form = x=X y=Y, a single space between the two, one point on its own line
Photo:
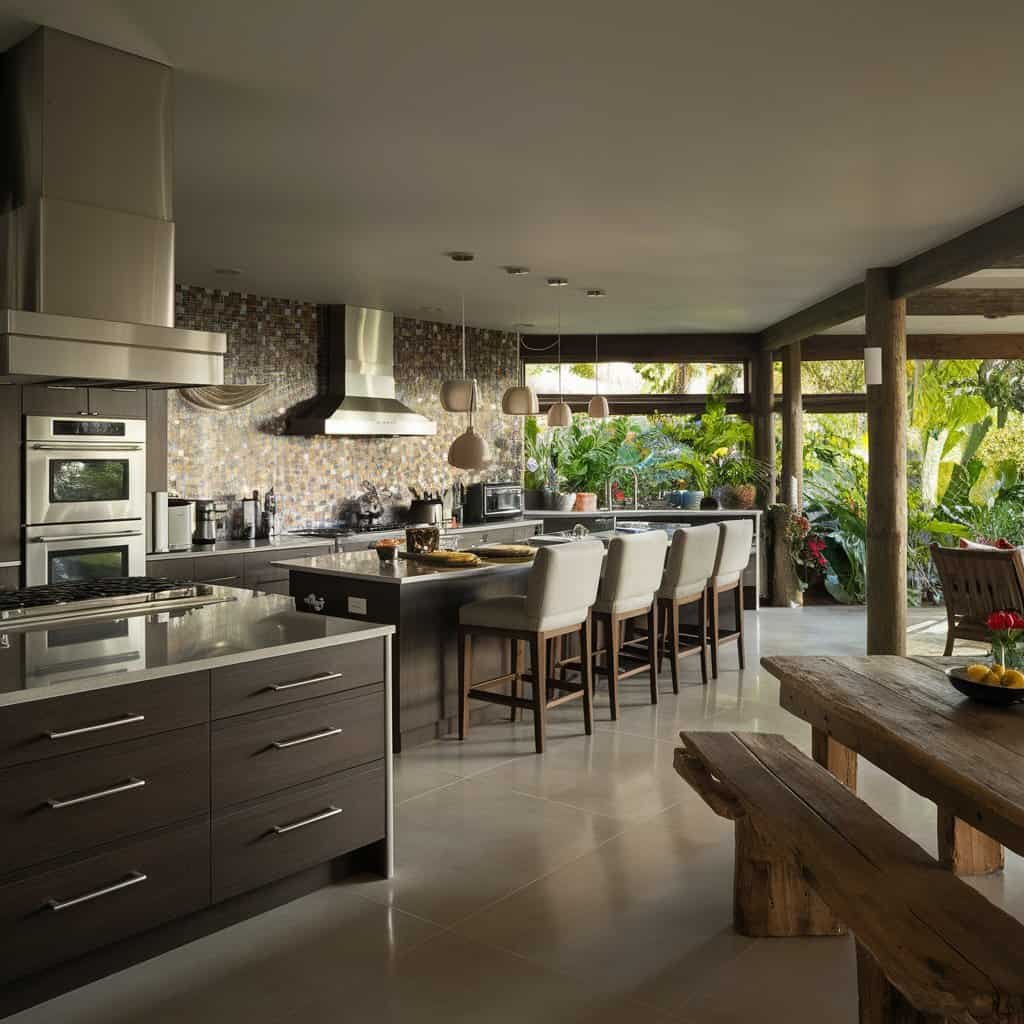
x=487 y=502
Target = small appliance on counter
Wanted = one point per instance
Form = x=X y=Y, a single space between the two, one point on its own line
x=179 y=524
x=490 y=502
x=209 y=515
x=426 y=509
x=156 y=522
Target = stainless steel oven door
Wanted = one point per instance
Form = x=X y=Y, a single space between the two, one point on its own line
x=502 y=501
x=81 y=470
x=85 y=551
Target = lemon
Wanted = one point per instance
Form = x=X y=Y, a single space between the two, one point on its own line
x=991 y=679
x=976 y=673
x=998 y=670
x=1013 y=679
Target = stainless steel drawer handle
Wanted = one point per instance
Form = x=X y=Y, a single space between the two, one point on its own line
x=322 y=734
x=133 y=879
x=83 y=729
x=97 y=794
x=87 y=536
x=322 y=678
x=89 y=448
x=323 y=815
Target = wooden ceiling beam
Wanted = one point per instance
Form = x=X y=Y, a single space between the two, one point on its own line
x=831 y=312
x=988 y=302
x=920 y=346
x=641 y=405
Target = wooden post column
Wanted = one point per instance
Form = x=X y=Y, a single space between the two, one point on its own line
x=762 y=401
x=887 y=469
x=792 y=428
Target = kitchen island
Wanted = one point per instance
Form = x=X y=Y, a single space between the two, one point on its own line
x=167 y=773
x=422 y=604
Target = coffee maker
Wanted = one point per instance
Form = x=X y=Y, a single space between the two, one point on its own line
x=209 y=514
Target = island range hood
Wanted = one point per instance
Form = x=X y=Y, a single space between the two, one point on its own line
x=359 y=348
x=86 y=226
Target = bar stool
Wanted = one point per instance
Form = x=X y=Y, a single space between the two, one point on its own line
x=562 y=586
x=633 y=570
x=691 y=561
x=730 y=563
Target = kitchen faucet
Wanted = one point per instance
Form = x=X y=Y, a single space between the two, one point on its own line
x=636 y=487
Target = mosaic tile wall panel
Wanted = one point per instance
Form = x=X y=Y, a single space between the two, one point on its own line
x=228 y=454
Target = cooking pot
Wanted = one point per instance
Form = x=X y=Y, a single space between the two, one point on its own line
x=426 y=511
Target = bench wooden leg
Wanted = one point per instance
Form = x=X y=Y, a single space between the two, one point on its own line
x=965 y=850
x=770 y=897
x=839 y=760
x=879 y=1001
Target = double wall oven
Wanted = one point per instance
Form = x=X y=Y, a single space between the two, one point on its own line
x=85 y=497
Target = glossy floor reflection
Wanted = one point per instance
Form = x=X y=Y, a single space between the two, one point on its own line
x=589 y=885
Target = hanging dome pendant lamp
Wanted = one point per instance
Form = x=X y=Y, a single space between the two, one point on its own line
x=560 y=415
x=597 y=408
x=469 y=449
x=520 y=399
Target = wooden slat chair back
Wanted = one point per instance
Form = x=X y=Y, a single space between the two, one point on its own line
x=975 y=583
x=813 y=859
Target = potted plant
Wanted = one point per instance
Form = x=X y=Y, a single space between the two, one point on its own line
x=734 y=475
x=538 y=466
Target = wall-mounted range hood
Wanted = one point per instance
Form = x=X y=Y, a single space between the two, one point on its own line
x=86 y=228
x=359 y=346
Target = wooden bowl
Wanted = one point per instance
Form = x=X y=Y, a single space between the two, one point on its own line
x=997 y=696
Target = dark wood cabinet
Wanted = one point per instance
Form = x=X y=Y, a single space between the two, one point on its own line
x=11 y=468
x=55 y=400
x=225 y=570
x=61 y=912
x=265 y=751
x=182 y=568
x=126 y=403
x=156 y=439
x=266 y=839
x=71 y=803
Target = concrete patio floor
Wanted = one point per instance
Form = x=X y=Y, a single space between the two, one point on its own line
x=587 y=885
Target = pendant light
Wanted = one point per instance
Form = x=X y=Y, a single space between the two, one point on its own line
x=460 y=395
x=520 y=399
x=597 y=408
x=559 y=415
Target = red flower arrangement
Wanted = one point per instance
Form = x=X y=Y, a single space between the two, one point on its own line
x=1007 y=627
x=1005 y=622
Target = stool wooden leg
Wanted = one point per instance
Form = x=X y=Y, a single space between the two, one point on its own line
x=518 y=657
x=673 y=652
x=465 y=642
x=739 y=623
x=614 y=628
x=587 y=676
x=880 y=1002
x=839 y=760
x=704 y=637
x=652 y=648
x=539 y=650
x=714 y=632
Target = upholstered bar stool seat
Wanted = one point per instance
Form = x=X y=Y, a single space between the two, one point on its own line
x=691 y=561
x=727 y=576
x=632 y=575
x=562 y=587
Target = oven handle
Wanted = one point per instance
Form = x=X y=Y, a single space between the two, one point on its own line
x=87 y=536
x=87 y=448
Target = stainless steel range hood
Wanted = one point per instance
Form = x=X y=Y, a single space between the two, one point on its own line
x=86 y=228
x=359 y=345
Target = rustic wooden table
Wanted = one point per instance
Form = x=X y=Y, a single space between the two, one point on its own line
x=904 y=716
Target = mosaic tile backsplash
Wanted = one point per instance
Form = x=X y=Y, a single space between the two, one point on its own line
x=275 y=341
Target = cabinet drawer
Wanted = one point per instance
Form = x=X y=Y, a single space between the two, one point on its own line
x=267 y=751
x=259 y=570
x=254 y=685
x=54 y=400
x=71 y=803
x=63 y=725
x=277 y=836
x=171 y=568
x=127 y=402
x=99 y=899
x=223 y=569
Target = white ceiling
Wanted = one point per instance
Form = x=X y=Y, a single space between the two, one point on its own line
x=713 y=166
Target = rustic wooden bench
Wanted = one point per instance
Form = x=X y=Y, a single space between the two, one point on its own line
x=813 y=859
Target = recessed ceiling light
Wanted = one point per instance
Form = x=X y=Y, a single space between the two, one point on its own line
x=557 y=282
x=228 y=271
x=517 y=271
x=595 y=293
x=462 y=257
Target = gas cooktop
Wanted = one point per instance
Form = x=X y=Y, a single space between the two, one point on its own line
x=83 y=597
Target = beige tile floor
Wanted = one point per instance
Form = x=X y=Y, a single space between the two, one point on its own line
x=587 y=886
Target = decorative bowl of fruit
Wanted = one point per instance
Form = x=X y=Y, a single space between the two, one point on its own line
x=989 y=684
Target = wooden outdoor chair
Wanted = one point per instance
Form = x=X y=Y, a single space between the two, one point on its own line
x=976 y=582
x=813 y=859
